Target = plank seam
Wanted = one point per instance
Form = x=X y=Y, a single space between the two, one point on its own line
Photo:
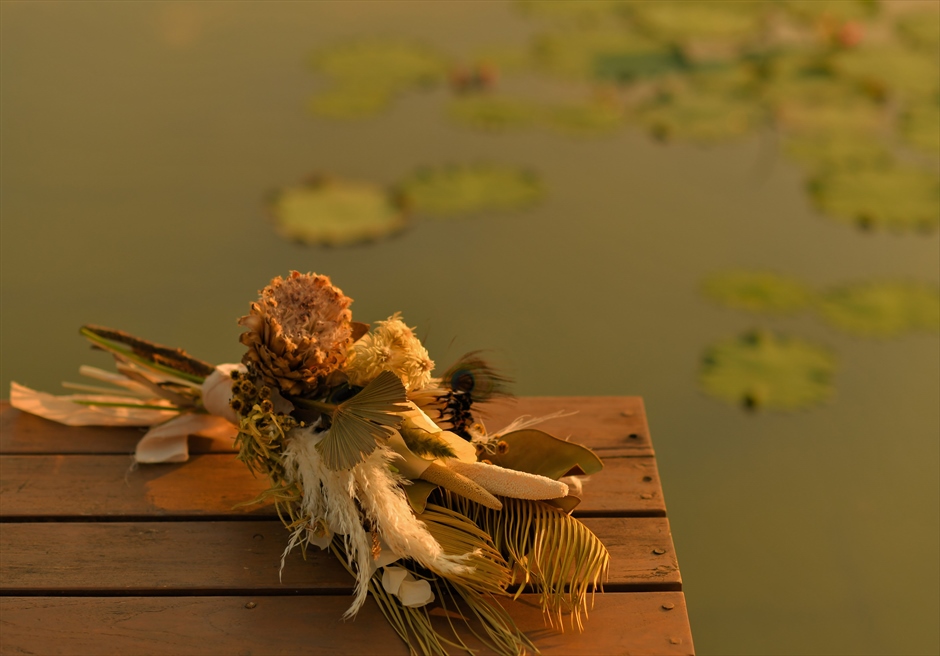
x=613 y=588
x=210 y=518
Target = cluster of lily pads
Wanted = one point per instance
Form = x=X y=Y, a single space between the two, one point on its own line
x=335 y=212
x=764 y=370
x=850 y=87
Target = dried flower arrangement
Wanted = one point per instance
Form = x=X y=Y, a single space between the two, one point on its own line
x=372 y=457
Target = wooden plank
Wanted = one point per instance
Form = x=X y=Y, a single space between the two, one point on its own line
x=228 y=557
x=613 y=425
x=213 y=484
x=21 y=432
x=635 y=623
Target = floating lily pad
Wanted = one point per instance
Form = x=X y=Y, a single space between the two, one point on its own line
x=585 y=11
x=920 y=126
x=840 y=150
x=763 y=370
x=335 y=213
x=699 y=117
x=832 y=10
x=603 y=54
x=351 y=101
x=818 y=104
x=368 y=74
x=921 y=29
x=493 y=113
x=454 y=190
x=892 y=68
x=883 y=309
x=585 y=119
x=389 y=64
x=898 y=197
x=758 y=291
x=681 y=21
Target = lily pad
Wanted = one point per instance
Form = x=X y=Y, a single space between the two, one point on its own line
x=920 y=126
x=898 y=197
x=820 y=104
x=537 y=452
x=892 y=68
x=603 y=54
x=493 y=113
x=351 y=101
x=680 y=21
x=585 y=119
x=584 y=11
x=758 y=291
x=921 y=29
x=883 y=309
x=760 y=370
x=388 y=64
x=454 y=190
x=699 y=116
x=839 y=150
x=333 y=212
x=832 y=10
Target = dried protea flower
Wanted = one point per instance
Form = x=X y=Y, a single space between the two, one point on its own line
x=392 y=346
x=298 y=332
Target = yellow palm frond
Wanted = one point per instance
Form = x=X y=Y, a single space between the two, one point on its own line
x=555 y=553
x=458 y=535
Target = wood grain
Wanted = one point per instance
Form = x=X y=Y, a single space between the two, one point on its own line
x=218 y=557
x=97 y=557
x=613 y=425
x=634 y=623
x=211 y=485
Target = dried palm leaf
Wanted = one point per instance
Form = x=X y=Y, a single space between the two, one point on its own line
x=163 y=359
x=359 y=423
x=489 y=573
x=556 y=554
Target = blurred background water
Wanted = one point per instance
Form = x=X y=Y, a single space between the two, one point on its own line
x=139 y=140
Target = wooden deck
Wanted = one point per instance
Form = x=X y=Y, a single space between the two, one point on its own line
x=100 y=558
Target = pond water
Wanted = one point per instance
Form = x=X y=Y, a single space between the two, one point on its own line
x=139 y=140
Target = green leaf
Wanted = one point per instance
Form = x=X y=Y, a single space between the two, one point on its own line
x=418 y=493
x=679 y=21
x=763 y=370
x=362 y=421
x=700 y=116
x=822 y=152
x=424 y=443
x=883 y=309
x=920 y=126
x=351 y=101
x=585 y=119
x=898 y=197
x=605 y=53
x=493 y=113
x=334 y=212
x=758 y=291
x=455 y=190
x=892 y=68
x=382 y=64
x=537 y=452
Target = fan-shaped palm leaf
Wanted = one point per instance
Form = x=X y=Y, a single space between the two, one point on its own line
x=555 y=553
x=359 y=423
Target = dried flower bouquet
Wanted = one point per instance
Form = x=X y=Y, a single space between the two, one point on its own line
x=371 y=456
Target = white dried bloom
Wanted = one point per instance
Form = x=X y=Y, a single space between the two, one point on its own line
x=392 y=346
